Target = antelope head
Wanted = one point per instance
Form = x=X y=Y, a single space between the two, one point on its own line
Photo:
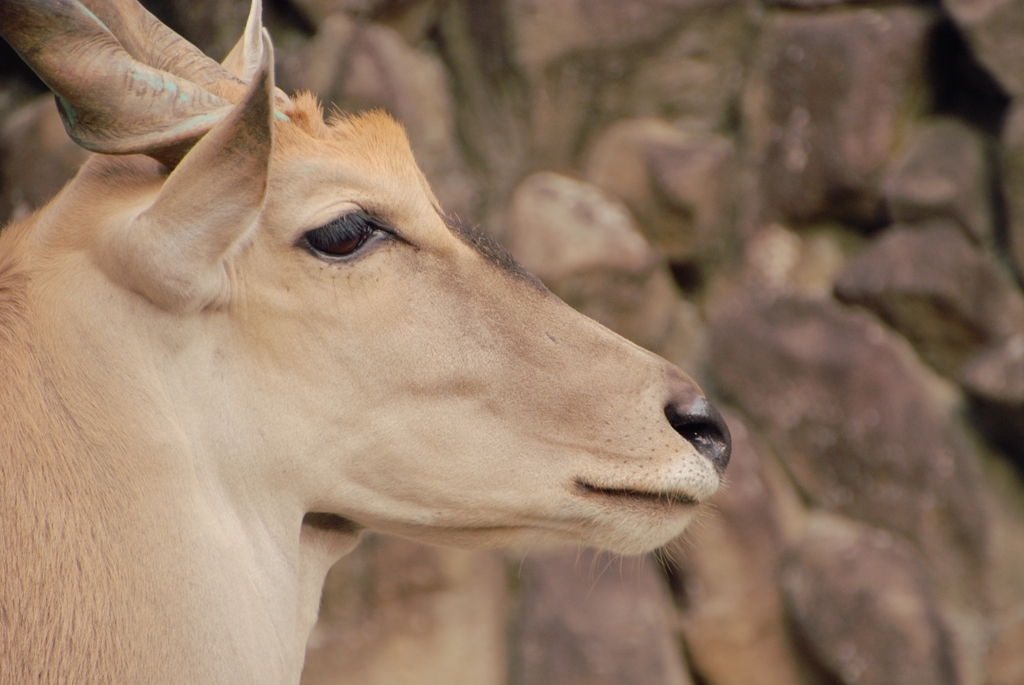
x=263 y=323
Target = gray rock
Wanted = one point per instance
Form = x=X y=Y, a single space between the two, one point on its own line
x=584 y=245
x=827 y=100
x=860 y=426
x=587 y=618
x=861 y=600
x=679 y=184
x=947 y=297
x=942 y=172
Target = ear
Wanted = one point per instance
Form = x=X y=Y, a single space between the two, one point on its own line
x=244 y=58
x=174 y=252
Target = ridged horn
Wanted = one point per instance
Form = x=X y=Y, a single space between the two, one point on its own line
x=151 y=42
x=110 y=101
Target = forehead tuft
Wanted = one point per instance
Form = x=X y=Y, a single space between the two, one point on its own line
x=373 y=135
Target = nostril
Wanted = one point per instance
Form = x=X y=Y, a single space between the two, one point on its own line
x=702 y=425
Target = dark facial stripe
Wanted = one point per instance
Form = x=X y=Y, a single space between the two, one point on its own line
x=488 y=249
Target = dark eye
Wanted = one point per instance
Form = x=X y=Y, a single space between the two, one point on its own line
x=342 y=237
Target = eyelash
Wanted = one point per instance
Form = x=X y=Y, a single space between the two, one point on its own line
x=342 y=237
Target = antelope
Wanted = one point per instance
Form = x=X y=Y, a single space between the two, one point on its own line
x=243 y=334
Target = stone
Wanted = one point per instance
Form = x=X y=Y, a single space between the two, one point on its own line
x=778 y=259
x=491 y=100
x=930 y=283
x=36 y=156
x=396 y=612
x=822 y=4
x=587 y=618
x=942 y=173
x=826 y=102
x=725 y=579
x=995 y=30
x=1012 y=167
x=359 y=67
x=411 y=18
x=584 y=245
x=861 y=424
x=587 y=64
x=997 y=373
x=994 y=380
x=678 y=184
x=1006 y=660
x=214 y=26
x=316 y=11
x=861 y=600
x=548 y=30
x=694 y=78
x=1006 y=656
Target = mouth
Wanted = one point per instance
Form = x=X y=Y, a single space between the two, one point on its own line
x=330 y=523
x=629 y=496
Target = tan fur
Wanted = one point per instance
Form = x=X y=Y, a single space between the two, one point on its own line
x=156 y=462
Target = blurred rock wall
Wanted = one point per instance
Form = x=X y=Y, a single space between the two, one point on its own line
x=816 y=208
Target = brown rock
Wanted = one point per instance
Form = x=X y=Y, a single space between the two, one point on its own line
x=995 y=30
x=474 y=40
x=1006 y=634
x=360 y=67
x=1012 y=158
x=677 y=183
x=547 y=30
x=997 y=373
x=36 y=156
x=994 y=379
x=586 y=248
x=1006 y=660
x=823 y=4
x=587 y=618
x=826 y=102
x=694 y=78
x=861 y=600
x=931 y=284
x=589 y=63
x=860 y=427
x=213 y=26
x=778 y=259
x=411 y=18
x=942 y=172
x=726 y=580
x=396 y=612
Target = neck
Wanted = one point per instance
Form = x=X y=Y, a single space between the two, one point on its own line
x=127 y=557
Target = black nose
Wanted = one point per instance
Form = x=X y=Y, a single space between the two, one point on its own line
x=701 y=424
